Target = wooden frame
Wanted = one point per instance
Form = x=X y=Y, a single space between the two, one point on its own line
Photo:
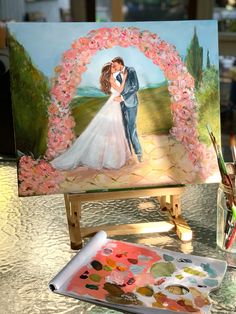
x=169 y=198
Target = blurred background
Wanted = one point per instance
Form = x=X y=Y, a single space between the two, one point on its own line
x=224 y=11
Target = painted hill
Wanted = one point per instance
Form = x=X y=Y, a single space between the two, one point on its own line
x=154 y=115
x=90 y=91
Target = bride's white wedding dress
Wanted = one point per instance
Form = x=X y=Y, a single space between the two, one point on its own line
x=102 y=144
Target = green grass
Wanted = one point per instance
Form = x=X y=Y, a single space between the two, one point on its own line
x=210 y=114
x=84 y=109
x=154 y=115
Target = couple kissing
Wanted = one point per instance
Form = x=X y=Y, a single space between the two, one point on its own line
x=108 y=140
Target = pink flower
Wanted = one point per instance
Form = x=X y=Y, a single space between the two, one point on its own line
x=52 y=109
x=81 y=69
x=70 y=54
x=84 y=57
x=44 y=167
x=93 y=44
x=83 y=41
x=69 y=122
x=134 y=37
x=37 y=177
x=150 y=53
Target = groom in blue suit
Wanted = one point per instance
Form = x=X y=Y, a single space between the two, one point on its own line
x=129 y=103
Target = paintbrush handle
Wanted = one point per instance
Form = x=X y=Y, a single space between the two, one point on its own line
x=229 y=217
x=231 y=239
x=233 y=152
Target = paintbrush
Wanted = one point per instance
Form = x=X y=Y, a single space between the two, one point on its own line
x=231 y=238
x=221 y=164
x=233 y=152
x=232 y=230
x=233 y=147
x=226 y=180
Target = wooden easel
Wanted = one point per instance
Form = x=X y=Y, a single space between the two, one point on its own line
x=73 y=203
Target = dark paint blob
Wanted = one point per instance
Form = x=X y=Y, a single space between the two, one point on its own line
x=113 y=289
x=92 y=287
x=84 y=275
x=128 y=298
x=130 y=281
x=184 y=260
x=96 y=265
x=133 y=261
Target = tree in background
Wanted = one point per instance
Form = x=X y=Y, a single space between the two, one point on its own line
x=208 y=101
x=207 y=88
x=30 y=100
x=194 y=59
x=208 y=63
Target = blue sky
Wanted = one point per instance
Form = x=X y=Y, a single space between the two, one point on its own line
x=46 y=42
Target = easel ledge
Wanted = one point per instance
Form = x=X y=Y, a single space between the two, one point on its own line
x=169 y=198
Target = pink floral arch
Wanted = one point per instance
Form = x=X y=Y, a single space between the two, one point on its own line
x=74 y=64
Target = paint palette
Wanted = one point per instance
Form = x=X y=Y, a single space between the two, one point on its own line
x=139 y=279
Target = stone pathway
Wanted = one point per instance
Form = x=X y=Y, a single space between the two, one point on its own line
x=164 y=162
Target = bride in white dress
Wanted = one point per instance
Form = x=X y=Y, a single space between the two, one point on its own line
x=103 y=143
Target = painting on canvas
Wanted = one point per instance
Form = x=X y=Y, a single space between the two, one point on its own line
x=100 y=106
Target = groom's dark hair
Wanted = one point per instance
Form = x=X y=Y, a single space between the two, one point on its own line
x=118 y=60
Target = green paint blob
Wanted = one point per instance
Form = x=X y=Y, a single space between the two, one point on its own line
x=162 y=269
x=168 y=258
x=179 y=277
x=95 y=277
x=194 y=272
x=107 y=268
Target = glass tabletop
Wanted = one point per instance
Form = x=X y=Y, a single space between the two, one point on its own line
x=35 y=244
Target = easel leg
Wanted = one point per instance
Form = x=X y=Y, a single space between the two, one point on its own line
x=175 y=205
x=73 y=211
x=162 y=201
x=183 y=230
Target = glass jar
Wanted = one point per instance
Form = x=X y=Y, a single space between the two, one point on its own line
x=226 y=222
